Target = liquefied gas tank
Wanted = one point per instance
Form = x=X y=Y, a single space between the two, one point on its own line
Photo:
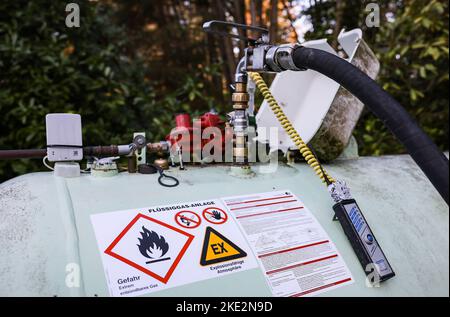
x=47 y=236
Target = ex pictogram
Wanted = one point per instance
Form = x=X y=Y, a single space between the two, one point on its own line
x=217 y=248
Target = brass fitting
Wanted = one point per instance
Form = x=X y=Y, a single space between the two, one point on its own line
x=240 y=150
x=240 y=100
x=240 y=97
x=162 y=163
x=160 y=147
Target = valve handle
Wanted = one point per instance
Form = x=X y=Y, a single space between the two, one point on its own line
x=214 y=27
x=139 y=142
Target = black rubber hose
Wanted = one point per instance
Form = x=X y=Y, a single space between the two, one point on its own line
x=422 y=149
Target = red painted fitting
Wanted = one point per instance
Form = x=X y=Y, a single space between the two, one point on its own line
x=183 y=120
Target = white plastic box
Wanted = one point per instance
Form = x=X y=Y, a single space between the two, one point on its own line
x=64 y=137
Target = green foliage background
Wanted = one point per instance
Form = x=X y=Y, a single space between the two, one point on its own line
x=46 y=67
x=101 y=71
x=413 y=51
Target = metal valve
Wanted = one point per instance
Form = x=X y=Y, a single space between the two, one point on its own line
x=260 y=56
x=220 y=28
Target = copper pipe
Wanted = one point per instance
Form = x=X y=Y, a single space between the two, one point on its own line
x=98 y=151
x=101 y=151
x=22 y=154
x=159 y=147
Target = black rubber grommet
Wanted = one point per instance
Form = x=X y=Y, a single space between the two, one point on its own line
x=147 y=169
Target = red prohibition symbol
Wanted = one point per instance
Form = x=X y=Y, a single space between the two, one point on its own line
x=188 y=219
x=215 y=215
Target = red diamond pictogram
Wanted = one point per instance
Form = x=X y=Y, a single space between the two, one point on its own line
x=129 y=252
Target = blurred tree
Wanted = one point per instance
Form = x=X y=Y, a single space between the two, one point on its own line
x=46 y=67
x=413 y=52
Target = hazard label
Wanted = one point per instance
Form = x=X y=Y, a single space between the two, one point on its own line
x=151 y=246
x=155 y=248
x=215 y=215
x=188 y=219
x=217 y=248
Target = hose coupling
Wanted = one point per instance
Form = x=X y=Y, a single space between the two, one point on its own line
x=280 y=58
x=339 y=191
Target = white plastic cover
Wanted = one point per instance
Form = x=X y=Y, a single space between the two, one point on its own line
x=304 y=96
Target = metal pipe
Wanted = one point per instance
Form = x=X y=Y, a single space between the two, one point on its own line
x=97 y=151
x=22 y=154
x=101 y=151
x=162 y=146
x=240 y=100
x=241 y=73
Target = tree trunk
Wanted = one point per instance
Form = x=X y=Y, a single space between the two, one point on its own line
x=226 y=46
x=339 y=16
x=273 y=29
x=256 y=15
x=239 y=16
x=293 y=35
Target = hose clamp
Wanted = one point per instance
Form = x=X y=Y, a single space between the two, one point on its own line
x=280 y=58
x=271 y=59
x=339 y=191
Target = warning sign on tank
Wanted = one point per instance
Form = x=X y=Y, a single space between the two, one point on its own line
x=296 y=254
x=215 y=215
x=151 y=249
x=156 y=247
x=217 y=248
x=188 y=219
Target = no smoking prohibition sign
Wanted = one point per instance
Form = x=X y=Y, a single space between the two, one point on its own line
x=215 y=215
x=188 y=219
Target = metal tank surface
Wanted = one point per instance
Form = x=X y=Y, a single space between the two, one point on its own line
x=45 y=227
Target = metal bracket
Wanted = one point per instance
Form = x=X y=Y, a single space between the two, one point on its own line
x=141 y=150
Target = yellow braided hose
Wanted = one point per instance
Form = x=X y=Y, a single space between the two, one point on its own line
x=289 y=128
